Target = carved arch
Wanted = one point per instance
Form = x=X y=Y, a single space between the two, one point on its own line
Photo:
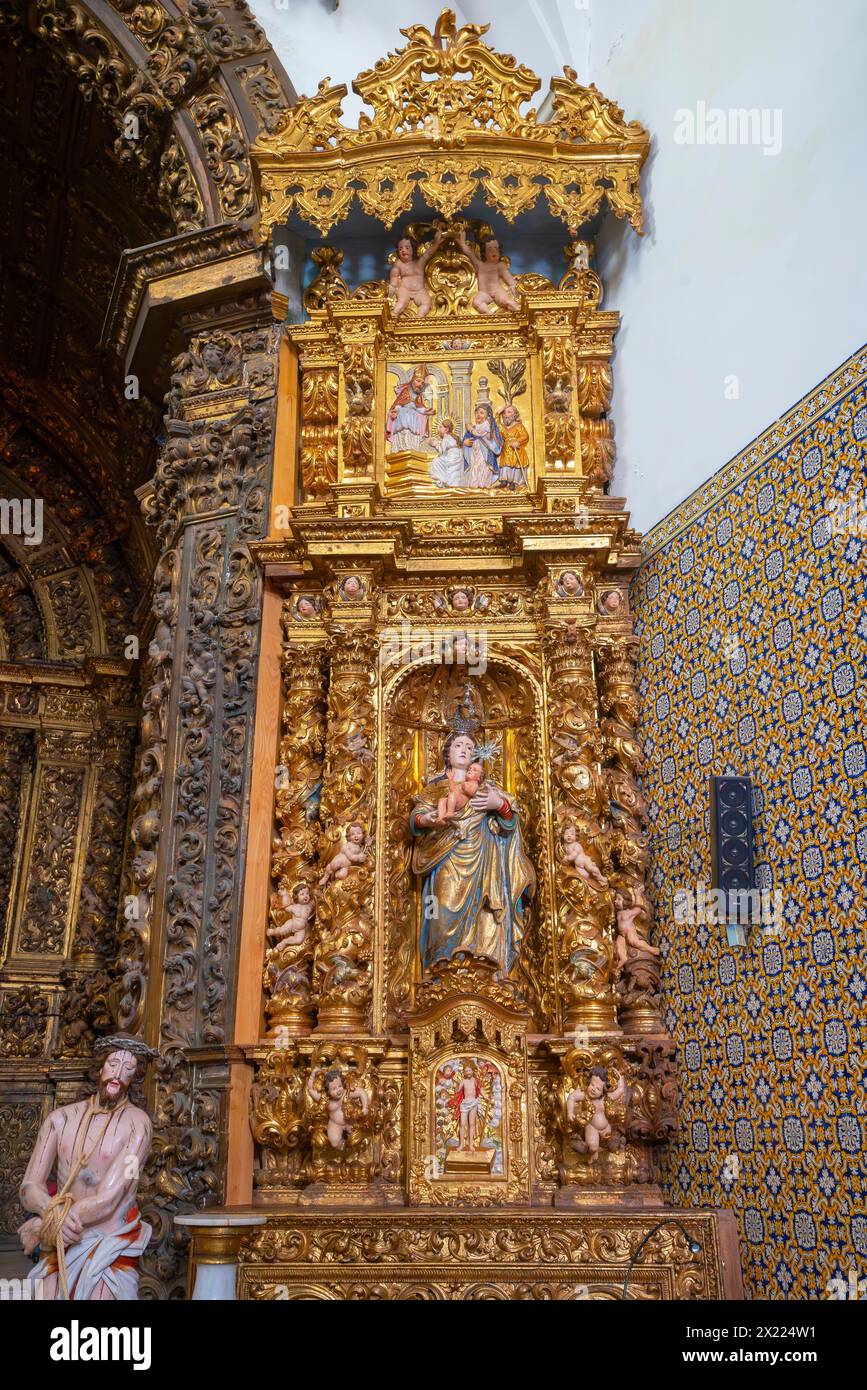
x=188 y=87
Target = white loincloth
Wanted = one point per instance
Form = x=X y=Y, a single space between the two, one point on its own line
x=89 y=1263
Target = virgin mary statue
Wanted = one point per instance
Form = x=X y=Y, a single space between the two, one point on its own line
x=476 y=877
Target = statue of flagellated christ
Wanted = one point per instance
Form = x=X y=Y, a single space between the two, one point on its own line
x=476 y=877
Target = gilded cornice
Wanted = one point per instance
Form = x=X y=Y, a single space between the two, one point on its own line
x=156 y=284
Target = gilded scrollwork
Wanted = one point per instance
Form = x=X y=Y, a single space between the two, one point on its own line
x=95 y=926
x=319 y=432
x=326 y=1116
x=178 y=190
x=24 y=1020
x=593 y=396
x=558 y=360
x=136 y=920
x=638 y=960
x=437 y=110
x=47 y=907
x=19 y=1127
x=484 y=1252
x=15 y=758
x=279 y=1120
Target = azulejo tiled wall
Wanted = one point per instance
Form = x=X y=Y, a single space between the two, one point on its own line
x=752 y=619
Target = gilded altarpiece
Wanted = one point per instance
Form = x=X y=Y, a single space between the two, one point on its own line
x=461 y=1049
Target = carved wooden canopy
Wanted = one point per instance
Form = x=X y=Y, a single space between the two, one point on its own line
x=447 y=119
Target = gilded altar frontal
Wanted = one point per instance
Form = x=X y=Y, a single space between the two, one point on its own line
x=335 y=889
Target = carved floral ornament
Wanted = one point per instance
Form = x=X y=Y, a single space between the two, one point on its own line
x=446 y=117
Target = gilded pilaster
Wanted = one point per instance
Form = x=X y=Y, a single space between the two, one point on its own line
x=208 y=500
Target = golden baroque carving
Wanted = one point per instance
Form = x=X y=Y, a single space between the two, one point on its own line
x=594 y=1097
x=328 y=285
x=288 y=961
x=593 y=394
x=638 y=960
x=314 y=1115
x=358 y=377
x=279 y=1121
x=439 y=109
x=558 y=359
x=553 y=1254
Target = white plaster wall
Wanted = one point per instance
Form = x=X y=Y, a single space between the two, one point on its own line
x=752 y=265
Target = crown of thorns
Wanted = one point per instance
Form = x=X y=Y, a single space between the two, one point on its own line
x=124 y=1042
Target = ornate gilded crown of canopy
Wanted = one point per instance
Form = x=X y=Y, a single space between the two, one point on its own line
x=447 y=119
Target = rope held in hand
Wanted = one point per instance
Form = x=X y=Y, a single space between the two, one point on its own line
x=60 y=1205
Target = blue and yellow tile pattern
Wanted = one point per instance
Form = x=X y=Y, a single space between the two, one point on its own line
x=752 y=618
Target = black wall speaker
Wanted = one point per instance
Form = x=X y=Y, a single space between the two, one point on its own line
x=731 y=802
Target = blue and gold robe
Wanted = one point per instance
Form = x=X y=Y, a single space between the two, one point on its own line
x=476 y=880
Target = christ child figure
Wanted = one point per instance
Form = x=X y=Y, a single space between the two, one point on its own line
x=575 y=854
x=295 y=910
x=598 y=1126
x=468 y=1104
x=353 y=849
x=496 y=285
x=463 y=785
x=406 y=281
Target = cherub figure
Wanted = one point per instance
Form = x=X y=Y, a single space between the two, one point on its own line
x=344 y=1107
x=627 y=933
x=406 y=281
x=352 y=851
x=575 y=854
x=592 y=1103
x=294 y=911
x=496 y=285
x=569 y=585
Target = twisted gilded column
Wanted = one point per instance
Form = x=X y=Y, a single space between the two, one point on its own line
x=582 y=898
x=622 y=763
x=343 y=966
x=289 y=958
